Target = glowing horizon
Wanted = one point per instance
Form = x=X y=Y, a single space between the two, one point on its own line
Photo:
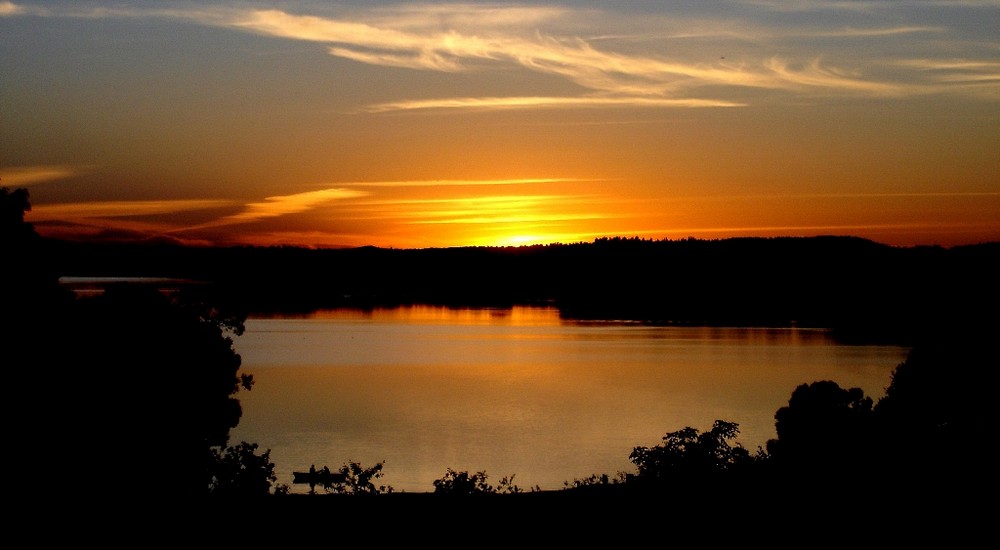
x=406 y=125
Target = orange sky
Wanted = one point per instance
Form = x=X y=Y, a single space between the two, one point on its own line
x=405 y=125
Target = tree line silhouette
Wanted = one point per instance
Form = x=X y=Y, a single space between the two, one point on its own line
x=136 y=387
x=865 y=291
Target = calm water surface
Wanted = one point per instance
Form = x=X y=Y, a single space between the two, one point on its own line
x=517 y=391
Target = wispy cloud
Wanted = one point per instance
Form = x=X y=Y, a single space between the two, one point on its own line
x=554 y=102
x=916 y=195
x=137 y=220
x=814 y=74
x=421 y=16
x=861 y=6
x=499 y=211
x=464 y=39
x=457 y=183
x=951 y=71
x=283 y=205
x=9 y=8
x=850 y=195
x=816 y=5
x=22 y=176
x=840 y=229
x=628 y=79
x=853 y=32
x=511 y=218
x=120 y=209
x=554 y=41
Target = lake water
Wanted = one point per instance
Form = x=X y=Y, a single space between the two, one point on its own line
x=517 y=391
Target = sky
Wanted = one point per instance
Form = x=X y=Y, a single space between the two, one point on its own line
x=441 y=124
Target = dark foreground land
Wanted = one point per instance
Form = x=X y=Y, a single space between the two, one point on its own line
x=138 y=449
x=849 y=515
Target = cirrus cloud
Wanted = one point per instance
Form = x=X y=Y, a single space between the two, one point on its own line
x=600 y=53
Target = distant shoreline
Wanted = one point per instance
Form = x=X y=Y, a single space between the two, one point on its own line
x=863 y=290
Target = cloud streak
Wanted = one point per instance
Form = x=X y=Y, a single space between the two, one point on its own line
x=861 y=6
x=120 y=209
x=470 y=38
x=283 y=205
x=23 y=176
x=959 y=71
x=815 y=75
x=487 y=103
x=8 y=9
x=641 y=81
x=852 y=32
x=457 y=183
x=457 y=38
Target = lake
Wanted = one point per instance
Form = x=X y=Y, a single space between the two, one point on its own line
x=517 y=392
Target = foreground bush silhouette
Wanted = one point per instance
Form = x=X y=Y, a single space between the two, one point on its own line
x=353 y=479
x=693 y=463
x=463 y=483
x=240 y=472
x=688 y=452
x=360 y=480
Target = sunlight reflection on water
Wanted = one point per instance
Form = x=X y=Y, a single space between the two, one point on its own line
x=518 y=391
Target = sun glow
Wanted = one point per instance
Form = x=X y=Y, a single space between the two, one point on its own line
x=449 y=124
x=521 y=240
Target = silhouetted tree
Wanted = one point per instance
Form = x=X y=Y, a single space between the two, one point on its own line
x=825 y=431
x=29 y=285
x=162 y=374
x=33 y=311
x=133 y=389
x=359 y=480
x=240 y=472
x=688 y=456
x=938 y=408
x=13 y=206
